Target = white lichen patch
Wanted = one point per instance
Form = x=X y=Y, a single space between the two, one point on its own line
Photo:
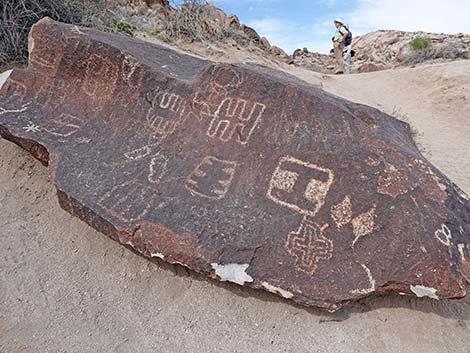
x=157 y=254
x=235 y=273
x=4 y=76
x=273 y=289
x=422 y=291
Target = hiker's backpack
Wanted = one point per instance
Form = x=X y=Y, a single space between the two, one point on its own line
x=348 y=39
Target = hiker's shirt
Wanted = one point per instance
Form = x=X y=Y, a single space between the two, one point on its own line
x=340 y=32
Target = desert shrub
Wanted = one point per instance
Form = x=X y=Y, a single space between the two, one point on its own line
x=124 y=27
x=192 y=19
x=17 y=17
x=445 y=51
x=420 y=43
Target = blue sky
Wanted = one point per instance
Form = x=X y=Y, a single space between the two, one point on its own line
x=309 y=23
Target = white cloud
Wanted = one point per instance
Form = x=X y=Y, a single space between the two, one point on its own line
x=290 y=36
x=450 y=16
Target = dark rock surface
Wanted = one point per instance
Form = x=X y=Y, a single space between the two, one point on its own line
x=243 y=173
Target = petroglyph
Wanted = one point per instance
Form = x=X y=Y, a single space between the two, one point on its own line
x=237 y=117
x=100 y=66
x=64 y=125
x=225 y=78
x=166 y=113
x=212 y=178
x=363 y=224
x=342 y=212
x=83 y=140
x=31 y=127
x=20 y=110
x=371 y=287
x=131 y=72
x=158 y=168
x=309 y=246
x=394 y=182
x=300 y=186
x=461 y=248
x=444 y=235
x=128 y=202
x=16 y=88
x=142 y=152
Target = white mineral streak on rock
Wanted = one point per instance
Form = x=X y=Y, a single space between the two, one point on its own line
x=4 y=76
x=157 y=254
x=235 y=273
x=422 y=291
x=273 y=289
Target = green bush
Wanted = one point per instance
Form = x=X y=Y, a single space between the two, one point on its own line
x=420 y=43
x=17 y=17
x=124 y=27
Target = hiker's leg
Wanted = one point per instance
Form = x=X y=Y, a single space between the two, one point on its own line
x=338 y=48
x=347 y=59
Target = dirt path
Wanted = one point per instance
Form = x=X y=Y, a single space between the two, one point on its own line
x=66 y=288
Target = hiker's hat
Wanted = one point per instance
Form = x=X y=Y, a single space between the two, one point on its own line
x=338 y=21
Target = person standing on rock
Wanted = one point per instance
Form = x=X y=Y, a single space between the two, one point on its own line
x=339 y=44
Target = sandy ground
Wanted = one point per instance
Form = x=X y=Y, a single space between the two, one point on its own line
x=66 y=288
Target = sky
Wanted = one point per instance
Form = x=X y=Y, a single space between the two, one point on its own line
x=309 y=23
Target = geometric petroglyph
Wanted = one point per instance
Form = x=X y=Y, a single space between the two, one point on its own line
x=309 y=246
x=31 y=127
x=166 y=113
x=211 y=178
x=371 y=287
x=394 y=182
x=129 y=201
x=342 y=212
x=235 y=117
x=142 y=152
x=444 y=235
x=23 y=108
x=64 y=125
x=100 y=66
x=158 y=168
x=225 y=78
x=362 y=225
x=300 y=186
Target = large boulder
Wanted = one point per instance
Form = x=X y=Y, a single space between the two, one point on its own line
x=242 y=173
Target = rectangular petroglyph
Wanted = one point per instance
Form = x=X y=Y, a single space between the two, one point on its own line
x=211 y=178
x=300 y=186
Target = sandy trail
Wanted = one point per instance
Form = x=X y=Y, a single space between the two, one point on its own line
x=66 y=288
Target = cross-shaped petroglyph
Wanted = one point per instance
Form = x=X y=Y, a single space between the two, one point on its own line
x=362 y=224
x=300 y=186
x=211 y=178
x=309 y=246
x=235 y=119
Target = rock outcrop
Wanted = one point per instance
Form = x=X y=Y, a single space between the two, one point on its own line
x=388 y=49
x=242 y=173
